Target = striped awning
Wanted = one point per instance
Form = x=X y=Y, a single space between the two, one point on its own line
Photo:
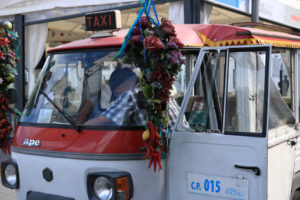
x=226 y=35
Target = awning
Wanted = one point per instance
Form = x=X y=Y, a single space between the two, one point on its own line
x=226 y=35
x=14 y=7
x=198 y=35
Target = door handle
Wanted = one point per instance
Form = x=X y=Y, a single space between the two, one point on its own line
x=255 y=169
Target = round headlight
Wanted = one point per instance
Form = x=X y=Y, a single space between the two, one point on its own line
x=103 y=188
x=10 y=174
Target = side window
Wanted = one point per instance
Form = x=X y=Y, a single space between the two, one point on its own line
x=183 y=78
x=228 y=92
x=282 y=74
x=280 y=109
x=204 y=108
x=245 y=92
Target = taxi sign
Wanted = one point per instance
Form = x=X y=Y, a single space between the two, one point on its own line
x=103 y=20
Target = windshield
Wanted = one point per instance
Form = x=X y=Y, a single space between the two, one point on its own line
x=80 y=85
x=91 y=88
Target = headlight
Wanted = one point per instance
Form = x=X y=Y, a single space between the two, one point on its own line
x=103 y=188
x=10 y=174
x=110 y=186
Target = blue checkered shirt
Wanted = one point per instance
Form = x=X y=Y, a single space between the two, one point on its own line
x=125 y=110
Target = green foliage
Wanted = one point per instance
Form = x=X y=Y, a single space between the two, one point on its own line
x=156 y=51
x=8 y=59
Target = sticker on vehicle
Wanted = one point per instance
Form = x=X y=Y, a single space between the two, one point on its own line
x=229 y=188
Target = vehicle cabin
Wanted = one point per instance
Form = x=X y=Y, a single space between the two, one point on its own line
x=238 y=93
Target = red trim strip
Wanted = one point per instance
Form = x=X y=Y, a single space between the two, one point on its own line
x=88 y=141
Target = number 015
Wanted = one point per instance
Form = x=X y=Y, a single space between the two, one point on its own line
x=212 y=185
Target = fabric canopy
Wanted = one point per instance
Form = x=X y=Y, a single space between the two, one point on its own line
x=226 y=35
x=198 y=35
x=13 y=7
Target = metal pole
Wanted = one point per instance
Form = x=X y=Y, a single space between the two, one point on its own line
x=198 y=11
x=193 y=11
x=19 y=28
x=188 y=12
x=255 y=11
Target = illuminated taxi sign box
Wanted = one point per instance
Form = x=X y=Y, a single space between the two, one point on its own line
x=103 y=21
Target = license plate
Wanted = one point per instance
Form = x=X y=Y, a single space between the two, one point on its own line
x=229 y=188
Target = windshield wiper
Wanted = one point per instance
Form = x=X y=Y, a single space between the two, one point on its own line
x=66 y=115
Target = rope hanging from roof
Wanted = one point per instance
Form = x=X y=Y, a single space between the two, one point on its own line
x=144 y=7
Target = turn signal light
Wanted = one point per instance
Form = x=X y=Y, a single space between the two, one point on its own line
x=122 y=188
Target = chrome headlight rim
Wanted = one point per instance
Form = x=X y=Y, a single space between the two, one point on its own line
x=109 y=187
x=5 y=182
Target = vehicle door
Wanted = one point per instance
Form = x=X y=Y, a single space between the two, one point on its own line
x=218 y=148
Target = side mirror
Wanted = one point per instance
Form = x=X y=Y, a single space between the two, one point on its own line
x=12 y=96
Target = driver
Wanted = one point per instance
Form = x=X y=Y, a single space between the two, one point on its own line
x=127 y=108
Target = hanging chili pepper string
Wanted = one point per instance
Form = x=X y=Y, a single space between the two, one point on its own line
x=154 y=147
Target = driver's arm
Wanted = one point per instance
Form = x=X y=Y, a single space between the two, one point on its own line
x=98 y=121
x=116 y=113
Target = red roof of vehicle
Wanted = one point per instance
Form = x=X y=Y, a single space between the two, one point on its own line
x=197 y=35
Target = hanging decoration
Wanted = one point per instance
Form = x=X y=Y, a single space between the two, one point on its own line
x=154 y=48
x=9 y=43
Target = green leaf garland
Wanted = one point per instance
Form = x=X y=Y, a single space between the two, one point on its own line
x=9 y=44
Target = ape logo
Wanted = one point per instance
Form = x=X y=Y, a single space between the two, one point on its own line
x=31 y=143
